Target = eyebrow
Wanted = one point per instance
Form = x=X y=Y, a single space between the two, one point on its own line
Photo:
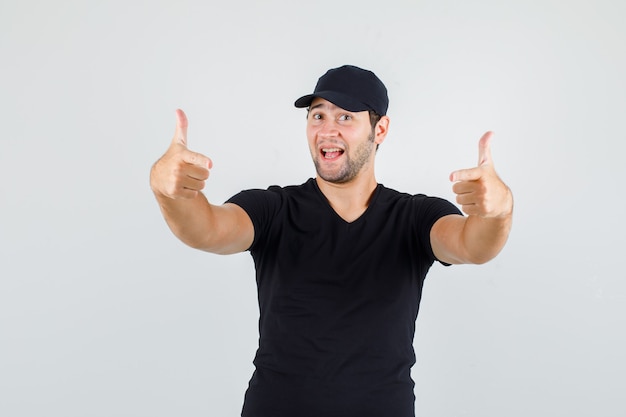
x=329 y=107
x=317 y=106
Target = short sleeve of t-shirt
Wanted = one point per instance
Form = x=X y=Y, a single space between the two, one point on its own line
x=261 y=206
x=431 y=209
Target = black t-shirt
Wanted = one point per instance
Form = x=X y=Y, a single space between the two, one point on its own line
x=338 y=301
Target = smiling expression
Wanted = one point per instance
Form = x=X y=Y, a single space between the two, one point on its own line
x=342 y=143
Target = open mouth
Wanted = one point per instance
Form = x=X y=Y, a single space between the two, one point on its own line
x=331 y=153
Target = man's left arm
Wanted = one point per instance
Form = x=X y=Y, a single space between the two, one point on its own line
x=488 y=203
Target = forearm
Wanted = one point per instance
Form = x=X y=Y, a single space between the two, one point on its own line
x=483 y=238
x=189 y=219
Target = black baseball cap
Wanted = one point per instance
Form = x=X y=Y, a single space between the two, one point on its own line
x=351 y=88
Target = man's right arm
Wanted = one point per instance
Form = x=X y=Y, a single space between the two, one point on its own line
x=177 y=180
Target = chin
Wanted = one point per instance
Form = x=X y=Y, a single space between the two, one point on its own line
x=335 y=179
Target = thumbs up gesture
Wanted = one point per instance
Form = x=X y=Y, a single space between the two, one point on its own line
x=180 y=173
x=479 y=190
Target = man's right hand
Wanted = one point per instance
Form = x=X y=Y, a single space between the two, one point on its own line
x=180 y=173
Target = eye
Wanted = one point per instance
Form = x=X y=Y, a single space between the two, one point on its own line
x=316 y=116
x=345 y=117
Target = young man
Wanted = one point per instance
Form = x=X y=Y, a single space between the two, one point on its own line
x=340 y=260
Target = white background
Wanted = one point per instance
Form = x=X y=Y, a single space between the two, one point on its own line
x=104 y=313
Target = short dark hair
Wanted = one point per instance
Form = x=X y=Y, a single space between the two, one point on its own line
x=374 y=118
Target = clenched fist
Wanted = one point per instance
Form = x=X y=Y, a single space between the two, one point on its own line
x=180 y=173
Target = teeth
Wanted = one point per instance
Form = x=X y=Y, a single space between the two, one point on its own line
x=331 y=150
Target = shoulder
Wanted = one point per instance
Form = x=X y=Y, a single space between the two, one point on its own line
x=413 y=211
x=269 y=208
x=416 y=201
x=271 y=192
x=266 y=203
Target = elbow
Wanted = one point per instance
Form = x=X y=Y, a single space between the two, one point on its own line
x=480 y=260
x=483 y=256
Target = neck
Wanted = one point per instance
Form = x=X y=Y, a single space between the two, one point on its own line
x=351 y=199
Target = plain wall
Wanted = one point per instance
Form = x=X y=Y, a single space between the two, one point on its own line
x=104 y=313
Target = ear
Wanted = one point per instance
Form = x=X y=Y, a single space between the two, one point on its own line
x=381 y=129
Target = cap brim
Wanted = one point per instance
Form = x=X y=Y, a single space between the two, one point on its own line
x=304 y=101
x=338 y=99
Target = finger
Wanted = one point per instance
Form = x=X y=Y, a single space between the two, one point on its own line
x=464 y=187
x=470 y=174
x=180 y=135
x=192 y=184
x=187 y=178
x=196 y=172
x=197 y=159
x=484 y=149
x=466 y=200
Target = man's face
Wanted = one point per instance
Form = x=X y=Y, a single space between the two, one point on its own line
x=342 y=143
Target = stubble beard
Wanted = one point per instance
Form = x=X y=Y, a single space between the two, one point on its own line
x=351 y=167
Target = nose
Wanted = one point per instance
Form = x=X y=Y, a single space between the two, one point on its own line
x=328 y=129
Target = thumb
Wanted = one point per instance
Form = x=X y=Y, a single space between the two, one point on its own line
x=484 y=149
x=180 y=135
